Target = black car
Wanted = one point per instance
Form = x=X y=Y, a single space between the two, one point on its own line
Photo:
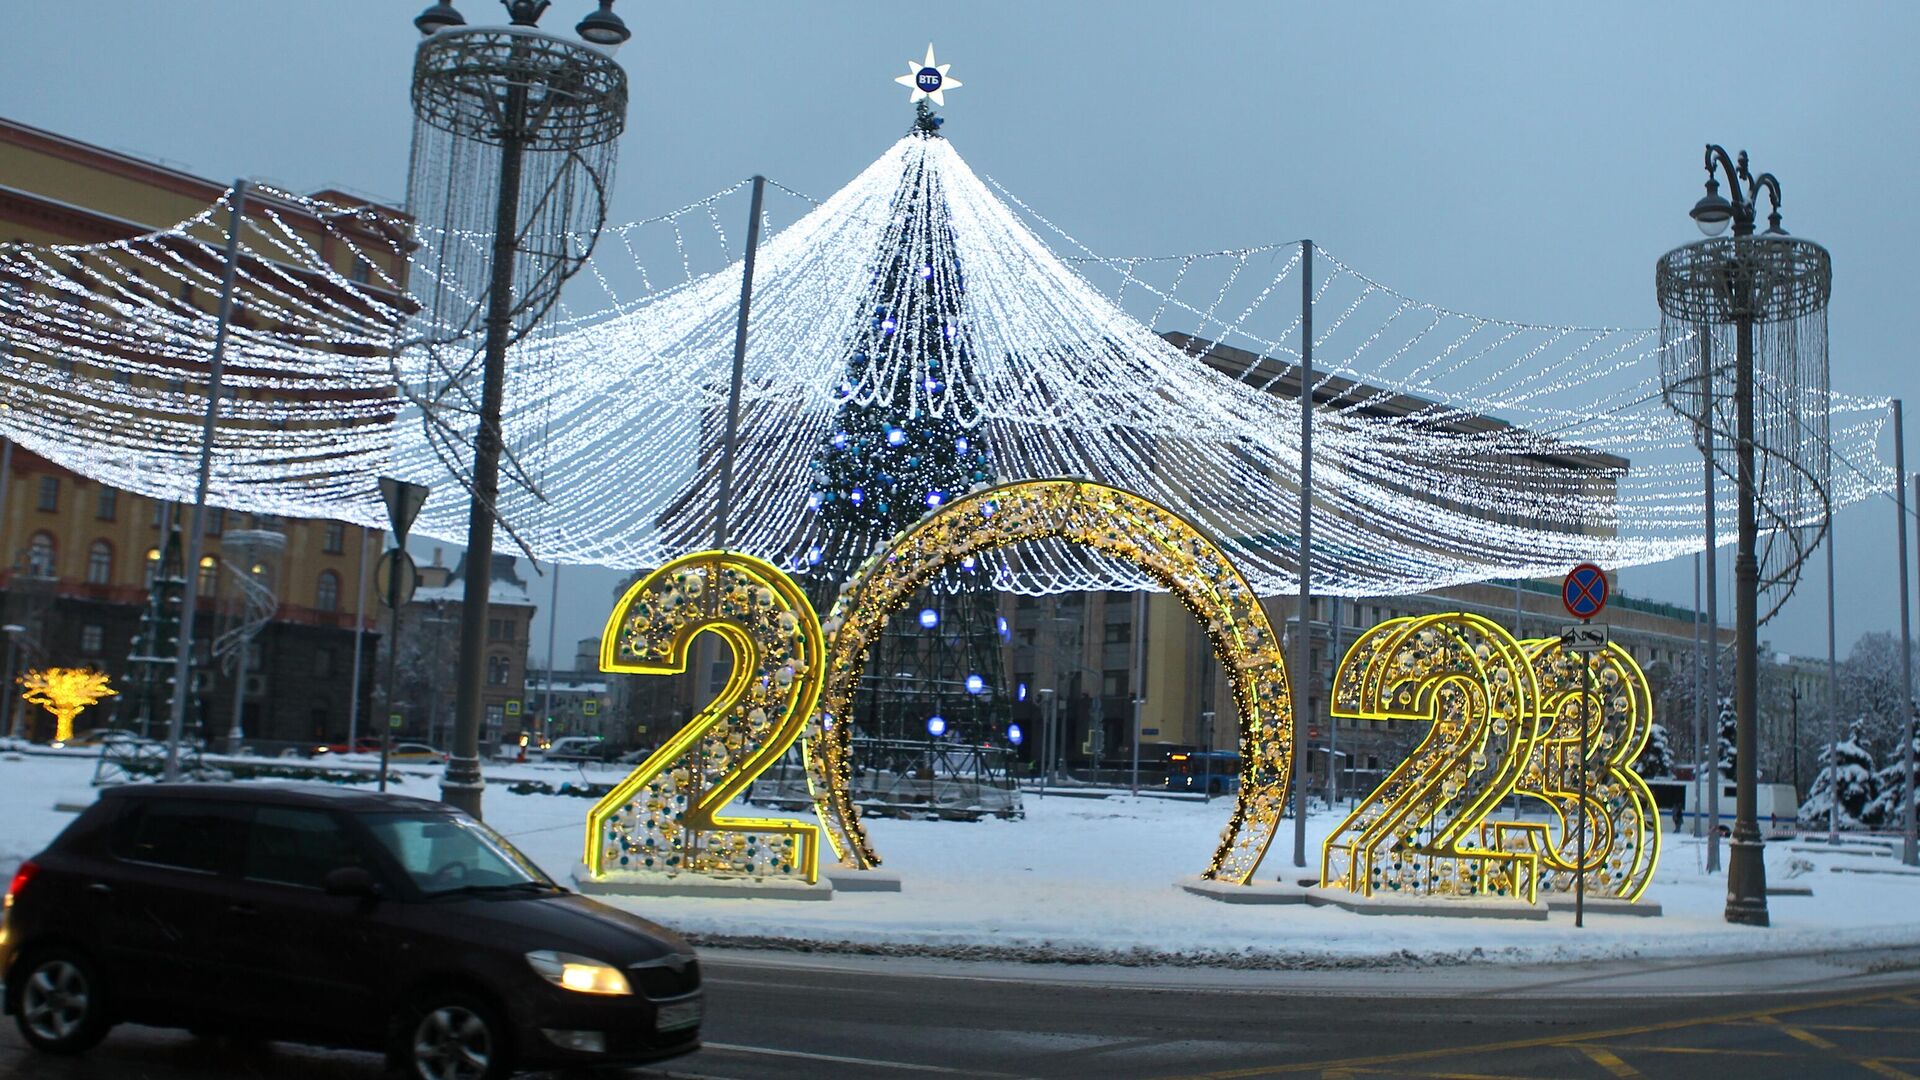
x=345 y=918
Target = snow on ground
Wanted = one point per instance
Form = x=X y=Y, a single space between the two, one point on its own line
x=1099 y=879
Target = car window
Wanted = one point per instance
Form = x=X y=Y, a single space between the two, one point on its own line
x=190 y=834
x=444 y=852
x=298 y=847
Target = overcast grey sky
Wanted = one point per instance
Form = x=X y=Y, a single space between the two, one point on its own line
x=1519 y=160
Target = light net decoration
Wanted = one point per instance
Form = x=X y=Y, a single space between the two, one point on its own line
x=1449 y=447
x=107 y=349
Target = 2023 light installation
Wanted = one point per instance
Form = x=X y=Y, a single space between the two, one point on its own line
x=665 y=816
x=1506 y=715
x=1506 y=719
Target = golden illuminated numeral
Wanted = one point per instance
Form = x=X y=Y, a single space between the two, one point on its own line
x=1418 y=831
x=1607 y=694
x=665 y=816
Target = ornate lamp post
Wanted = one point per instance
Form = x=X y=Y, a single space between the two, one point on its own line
x=1778 y=285
x=526 y=105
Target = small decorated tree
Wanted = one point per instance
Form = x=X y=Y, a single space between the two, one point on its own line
x=64 y=692
x=1886 y=811
x=1729 y=723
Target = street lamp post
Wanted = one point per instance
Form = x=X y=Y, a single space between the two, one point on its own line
x=1747 y=280
x=521 y=91
x=12 y=630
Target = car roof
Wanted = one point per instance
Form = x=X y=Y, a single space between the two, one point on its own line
x=316 y=795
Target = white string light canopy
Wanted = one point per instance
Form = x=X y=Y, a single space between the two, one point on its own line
x=1449 y=448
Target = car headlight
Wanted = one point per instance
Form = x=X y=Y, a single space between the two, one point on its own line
x=578 y=973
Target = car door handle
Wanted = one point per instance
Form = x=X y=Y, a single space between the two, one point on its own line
x=100 y=888
x=242 y=909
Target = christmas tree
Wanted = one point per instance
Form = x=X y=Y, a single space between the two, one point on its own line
x=1846 y=777
x=903 y=443
x=1729 y=736
x=1657 y=759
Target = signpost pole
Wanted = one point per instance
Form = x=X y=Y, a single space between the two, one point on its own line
x=1580 y=845
x=1584 y=594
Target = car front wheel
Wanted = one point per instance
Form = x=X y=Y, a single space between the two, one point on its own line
x=456 y=1037
x=62 y=1009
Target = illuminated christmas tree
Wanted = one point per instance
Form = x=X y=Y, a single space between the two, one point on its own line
x=905 y=440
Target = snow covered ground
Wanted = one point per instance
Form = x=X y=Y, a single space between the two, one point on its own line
x=1098 y=880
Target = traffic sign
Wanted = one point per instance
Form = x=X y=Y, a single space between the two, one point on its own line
x=1584 y=638
x=409 y=575
x=1584 y=592
x=513 y=708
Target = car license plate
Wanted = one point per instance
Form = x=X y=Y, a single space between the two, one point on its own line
x=681 y=1014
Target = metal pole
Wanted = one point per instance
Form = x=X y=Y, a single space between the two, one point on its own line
x=1046 y=737
x=394 y=566
x=1713 y=611
x=359 y=640
x=553 y=620
x=1580 y=843
x=6 y=477
x=6 y=687
x=1303 y=683
x=1909 y=853
x=1833 y=713
x=728 y=448
x=1699 y=701
x=1139 y=678
x=461 y=785
x=235 y=731
x=190 y=594
x=1333 y=723
x=1746 y=869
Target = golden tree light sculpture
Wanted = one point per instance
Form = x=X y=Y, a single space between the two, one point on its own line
x=64 y=692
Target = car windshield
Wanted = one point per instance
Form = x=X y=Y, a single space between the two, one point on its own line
x=450 y=853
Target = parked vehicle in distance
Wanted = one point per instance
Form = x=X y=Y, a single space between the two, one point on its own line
x=327 y=915
x=575 y=748
x=414 y=751
x=366 y=744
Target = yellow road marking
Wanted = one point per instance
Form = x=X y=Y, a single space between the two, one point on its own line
x=1887 y=1070
x=1800 y=1033
x=1294 y=1068
x=1607 y=1060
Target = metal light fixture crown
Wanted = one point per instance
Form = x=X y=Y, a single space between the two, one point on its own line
x=603 y=28
x=525 y=12
x=441 y=16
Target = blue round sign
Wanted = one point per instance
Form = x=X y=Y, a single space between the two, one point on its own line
x=1584 y=592
x=928 y=79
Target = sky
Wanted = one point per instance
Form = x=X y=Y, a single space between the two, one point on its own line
x=1517 y=160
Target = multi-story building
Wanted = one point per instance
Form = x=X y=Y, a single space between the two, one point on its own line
x=77 y=556
x=429 y=636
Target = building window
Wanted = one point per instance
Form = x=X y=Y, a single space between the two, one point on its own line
x=322 y=663
x=1113 y=684
x=334 y=540
x=49 y=493
x=108 y=507
x=216 y=520
x=93 y=638
x=1023 y=636
x=496 y=715
x=209 y=576
x=100 y=563
x=497 y=668
x=40 y=554
x=326 y=594
x=499 y=629
x=1119 y=633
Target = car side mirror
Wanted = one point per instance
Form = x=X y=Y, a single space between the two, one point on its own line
x=351 y=881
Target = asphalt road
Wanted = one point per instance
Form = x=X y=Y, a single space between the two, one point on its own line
x=785 y=1016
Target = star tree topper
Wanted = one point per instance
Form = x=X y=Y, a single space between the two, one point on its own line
x=928 y=80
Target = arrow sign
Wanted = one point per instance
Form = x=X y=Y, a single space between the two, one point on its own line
x=1584 y=592
x=1583 y=638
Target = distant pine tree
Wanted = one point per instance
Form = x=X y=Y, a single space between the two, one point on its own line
x=1657 y=759
x=1846 y=776
x=1729 y=736
x=1890 y=782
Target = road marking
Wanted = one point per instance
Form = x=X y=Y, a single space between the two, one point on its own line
x=1887 y=1070
x=837 y=1059
x=812 y=988
x=1607 y=1060
x=1535 y=1043
x=1800 y=1033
